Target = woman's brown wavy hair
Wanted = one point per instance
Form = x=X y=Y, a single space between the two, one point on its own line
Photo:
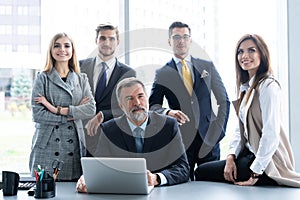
x=264 y=70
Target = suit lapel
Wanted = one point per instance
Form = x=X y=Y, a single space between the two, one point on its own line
x=56 y=80
x=197 y=69
x=247 y=106
x=90 y=72
x=88 y=68
x=174 y=73
x=126 y=134
x=112 y=82
x=152 y=129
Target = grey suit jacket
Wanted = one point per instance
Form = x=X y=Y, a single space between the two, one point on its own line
x=47 y=84
x=55 y=137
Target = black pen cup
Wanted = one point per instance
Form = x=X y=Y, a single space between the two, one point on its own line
x=45 y=188
x=10 y=183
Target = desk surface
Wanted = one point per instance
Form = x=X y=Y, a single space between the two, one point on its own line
x=191 y=190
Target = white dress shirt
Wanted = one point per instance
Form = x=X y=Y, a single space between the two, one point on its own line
x=189 y=64
x=98 y=68
x=270 y=105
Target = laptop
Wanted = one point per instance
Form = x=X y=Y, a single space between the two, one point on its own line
x=115 y=175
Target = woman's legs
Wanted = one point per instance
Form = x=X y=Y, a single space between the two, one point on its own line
x=214 y=171
x=211 y=171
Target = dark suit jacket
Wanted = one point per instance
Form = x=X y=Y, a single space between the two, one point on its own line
x=108 y=104
x=198 y=107
x=163 y=147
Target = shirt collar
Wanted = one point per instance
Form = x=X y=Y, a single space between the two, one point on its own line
x=133 y=126
x=245 y=87
x=110 y=63
x=187 y=59
x=251 y=81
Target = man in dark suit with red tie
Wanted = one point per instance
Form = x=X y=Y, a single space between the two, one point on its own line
x=188 y=83
x=104 y=72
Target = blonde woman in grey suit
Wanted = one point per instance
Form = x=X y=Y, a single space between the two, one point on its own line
x=61 y=99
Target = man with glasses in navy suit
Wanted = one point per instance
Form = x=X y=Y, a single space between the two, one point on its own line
x=187 y=83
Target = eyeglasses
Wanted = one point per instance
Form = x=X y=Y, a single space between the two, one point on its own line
x=178 y=37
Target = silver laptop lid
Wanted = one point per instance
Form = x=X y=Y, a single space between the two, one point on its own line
x=115 y=175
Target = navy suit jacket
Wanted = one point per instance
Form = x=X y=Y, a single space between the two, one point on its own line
x=108 y=103
x=163 y=148
x=199 y=107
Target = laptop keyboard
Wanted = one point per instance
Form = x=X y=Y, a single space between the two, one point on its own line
x=26 y=185
x=26 y=182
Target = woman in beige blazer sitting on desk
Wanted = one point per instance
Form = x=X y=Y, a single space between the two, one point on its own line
x=260 y=152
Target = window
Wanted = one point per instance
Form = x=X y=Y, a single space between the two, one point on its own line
x=216 y=26
x=5 y=10
x=22 y=48
x=34 y=10
x=22 y=30
x=216 y=30
x=22 y=10
x=5 y=48
x=5 y=29
x=34 y=30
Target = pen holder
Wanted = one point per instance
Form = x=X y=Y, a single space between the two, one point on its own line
x=45 y=188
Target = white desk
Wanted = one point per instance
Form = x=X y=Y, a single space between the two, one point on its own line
x=186 y=191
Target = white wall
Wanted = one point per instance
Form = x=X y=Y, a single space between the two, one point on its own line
x=293 y=10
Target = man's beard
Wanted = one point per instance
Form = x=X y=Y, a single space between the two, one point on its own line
x=136 y=115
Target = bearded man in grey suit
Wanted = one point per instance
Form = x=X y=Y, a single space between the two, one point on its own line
x=104 y=72
x=190 y=99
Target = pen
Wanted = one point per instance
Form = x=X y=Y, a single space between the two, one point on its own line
x=39 y=168
x=36 y=175
x=42 y=174
x=55 y=174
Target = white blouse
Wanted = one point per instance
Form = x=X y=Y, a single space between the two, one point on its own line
x=270 y=104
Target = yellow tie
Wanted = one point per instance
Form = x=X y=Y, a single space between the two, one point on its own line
x=187 y=77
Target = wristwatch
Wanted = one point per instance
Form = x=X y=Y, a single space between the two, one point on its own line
x=158 y=179
x=58 y=110
x=255 y=175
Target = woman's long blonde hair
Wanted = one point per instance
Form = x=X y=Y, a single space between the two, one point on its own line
x=50 y=61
